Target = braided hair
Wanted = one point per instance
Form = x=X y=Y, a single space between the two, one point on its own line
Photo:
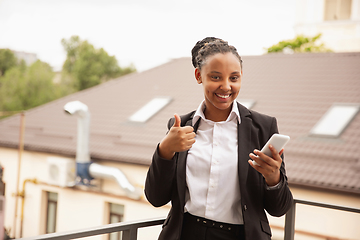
x=208 y=47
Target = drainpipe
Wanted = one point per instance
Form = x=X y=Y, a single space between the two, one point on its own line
x=21 y=149
x=22 y=195
x=87 y=170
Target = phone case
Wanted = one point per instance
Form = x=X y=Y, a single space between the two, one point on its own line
x=278 y=141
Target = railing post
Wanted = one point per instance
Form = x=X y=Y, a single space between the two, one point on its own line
x=130 y=234
x=289 y=233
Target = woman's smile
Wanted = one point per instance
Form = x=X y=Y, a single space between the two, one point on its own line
x=223 y=96
x=221 y=80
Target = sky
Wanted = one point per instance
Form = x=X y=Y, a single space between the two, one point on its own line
x=145 y=33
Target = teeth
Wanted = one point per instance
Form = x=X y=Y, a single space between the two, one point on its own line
x=223 y=96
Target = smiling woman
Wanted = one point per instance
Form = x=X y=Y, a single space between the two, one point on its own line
x=221 y=80
x=202 y=165
x=218 y=67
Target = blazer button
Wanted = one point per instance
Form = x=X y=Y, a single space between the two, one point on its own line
x=245 y=207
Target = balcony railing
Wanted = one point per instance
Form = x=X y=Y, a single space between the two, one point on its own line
x=130 y=229
x=289 y=229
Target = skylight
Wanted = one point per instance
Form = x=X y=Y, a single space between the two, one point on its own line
x=335 y=120
x=248 y=103
x=150 y=109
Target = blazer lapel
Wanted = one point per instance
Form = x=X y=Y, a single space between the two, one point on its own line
x=244 y=140
x=181 y=165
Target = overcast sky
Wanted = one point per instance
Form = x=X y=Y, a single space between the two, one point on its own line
x=146 y=33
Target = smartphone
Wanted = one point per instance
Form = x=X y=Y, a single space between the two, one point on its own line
x=278 y=141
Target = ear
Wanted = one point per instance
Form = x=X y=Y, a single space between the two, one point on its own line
x=198 y=75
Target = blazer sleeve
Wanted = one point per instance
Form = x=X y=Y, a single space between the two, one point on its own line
x=160 y=179
x=277 y=201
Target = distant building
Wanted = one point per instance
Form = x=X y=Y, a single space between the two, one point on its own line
x=337 y=20
x=29 y=58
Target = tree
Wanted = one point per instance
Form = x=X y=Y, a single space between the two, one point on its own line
x=7 y=60
x=88 y=66
x=22 y=87
x=299 y=44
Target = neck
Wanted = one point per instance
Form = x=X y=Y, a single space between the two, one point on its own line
x=217 y=116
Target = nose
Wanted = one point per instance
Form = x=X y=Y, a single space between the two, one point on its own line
x=225 y=86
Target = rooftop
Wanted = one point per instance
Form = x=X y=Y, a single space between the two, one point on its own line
x=297 y=89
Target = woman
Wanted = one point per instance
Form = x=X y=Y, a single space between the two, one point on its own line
x=202 y=165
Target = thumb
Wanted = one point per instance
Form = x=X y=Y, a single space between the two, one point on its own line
x=177 y=122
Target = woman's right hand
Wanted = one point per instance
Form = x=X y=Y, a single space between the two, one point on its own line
x=178 y=139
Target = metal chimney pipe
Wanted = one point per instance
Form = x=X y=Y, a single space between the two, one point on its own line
x=80 y=110
x=100 y=171
x=84 y=167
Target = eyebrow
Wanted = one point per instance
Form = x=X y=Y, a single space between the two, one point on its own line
x=236 y=72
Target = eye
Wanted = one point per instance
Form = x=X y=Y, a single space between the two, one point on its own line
x=234 y=78
x=215 y=78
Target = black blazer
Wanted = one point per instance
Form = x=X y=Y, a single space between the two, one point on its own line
x=166 y=180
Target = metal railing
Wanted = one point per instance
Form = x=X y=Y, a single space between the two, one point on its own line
x=130 y=229
x=289 y=229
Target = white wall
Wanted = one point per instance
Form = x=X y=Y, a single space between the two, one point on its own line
x=78 y=208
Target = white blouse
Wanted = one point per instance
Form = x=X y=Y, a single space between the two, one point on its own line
x=213 y=190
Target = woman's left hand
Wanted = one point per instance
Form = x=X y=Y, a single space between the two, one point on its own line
x=269 y=167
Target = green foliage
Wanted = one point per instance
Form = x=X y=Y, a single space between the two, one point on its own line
x=7 y=60
x=88 y=66
x=299 y=44
x=22 y=87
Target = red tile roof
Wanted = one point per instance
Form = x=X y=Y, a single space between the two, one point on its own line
x=297 y=89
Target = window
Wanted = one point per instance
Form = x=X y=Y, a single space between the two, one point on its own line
x=150 y=109
x=337 y=9
x=116 y=215
x=248 y=103
x=335 y=120
x=52 y=199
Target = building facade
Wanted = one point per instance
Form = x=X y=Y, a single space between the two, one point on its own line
x=337 y=20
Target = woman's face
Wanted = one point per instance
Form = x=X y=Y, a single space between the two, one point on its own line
x=221 y=80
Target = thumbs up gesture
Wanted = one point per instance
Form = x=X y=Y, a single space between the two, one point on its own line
x=178 y=139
